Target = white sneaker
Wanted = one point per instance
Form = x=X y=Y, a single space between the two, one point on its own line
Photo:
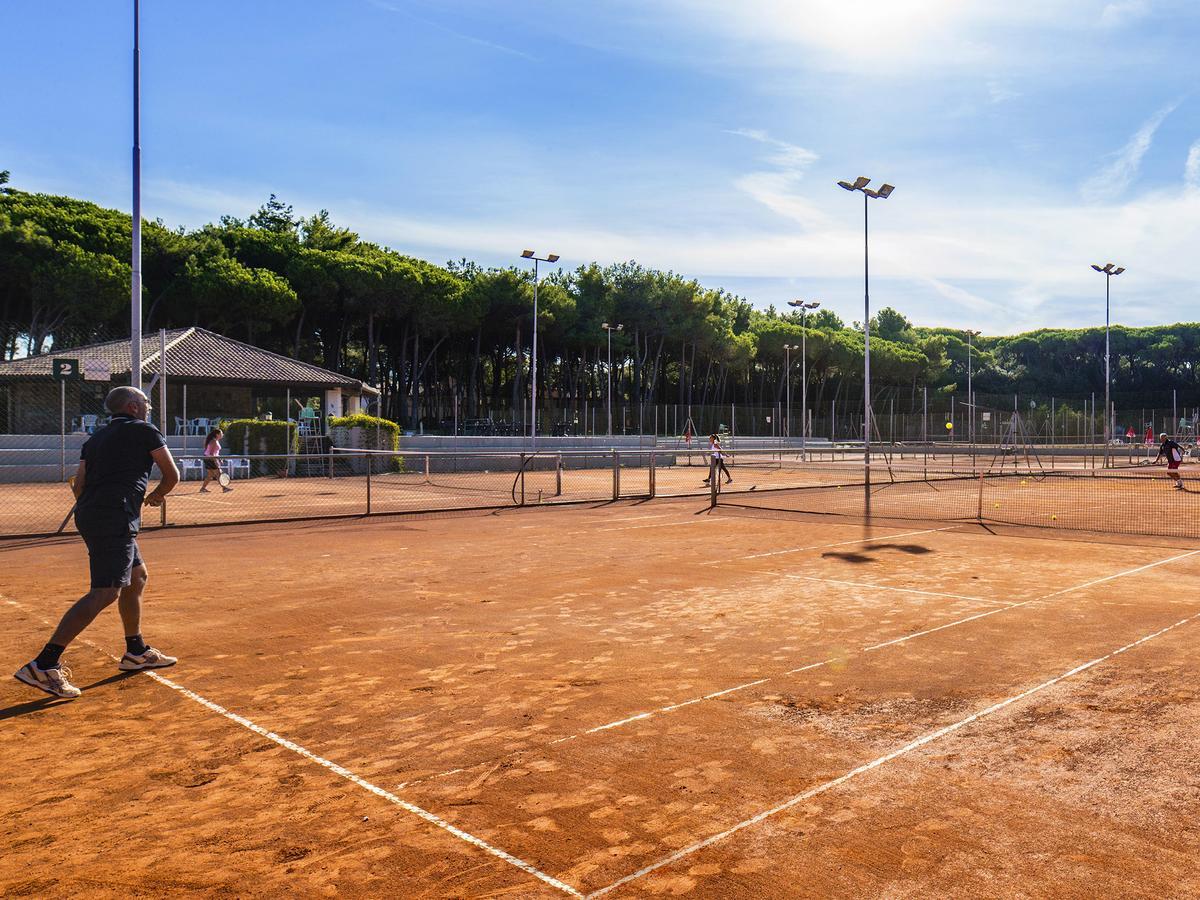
x=151 y=659
x=52 y=681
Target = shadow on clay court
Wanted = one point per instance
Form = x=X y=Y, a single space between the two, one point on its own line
x=862 y=556
x=32 y=706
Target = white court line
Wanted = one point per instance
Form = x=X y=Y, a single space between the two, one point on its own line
x=679 y=524
x=341 y=771
x=1059 y=593
x=638 y=717
x=877 y=537
x=888 y=587
x=882 y=760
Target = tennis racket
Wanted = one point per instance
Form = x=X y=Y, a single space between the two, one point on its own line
x=223 y=479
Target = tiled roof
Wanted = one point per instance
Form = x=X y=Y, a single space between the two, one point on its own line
x=194 y=354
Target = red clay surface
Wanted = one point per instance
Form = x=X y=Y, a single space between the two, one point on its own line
x=627 y=700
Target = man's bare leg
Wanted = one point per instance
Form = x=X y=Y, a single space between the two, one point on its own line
x=130 y=602
x=82 y=613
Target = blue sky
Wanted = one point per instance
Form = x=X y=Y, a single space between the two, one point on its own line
x=1025 y=140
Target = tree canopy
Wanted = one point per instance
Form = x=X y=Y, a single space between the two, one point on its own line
x=426 y=334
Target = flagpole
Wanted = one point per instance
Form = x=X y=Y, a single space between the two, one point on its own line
x=135 y=294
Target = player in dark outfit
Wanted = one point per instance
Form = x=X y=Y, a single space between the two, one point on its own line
x=110 y=488
x=1174 y=456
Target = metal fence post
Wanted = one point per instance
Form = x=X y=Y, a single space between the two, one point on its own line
x=62 y=430
x=616 y=474
x=368 y=484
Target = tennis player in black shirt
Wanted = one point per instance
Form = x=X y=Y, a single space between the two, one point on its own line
x=110 y=488
x=1174 y=456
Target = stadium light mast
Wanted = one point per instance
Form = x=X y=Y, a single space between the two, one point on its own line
x=885 y=191
x=970 y=391
x=804 y=308
x=787 y=380
x=548 y=258
x=135 y=289
x=1108 y=271
x=610 y=329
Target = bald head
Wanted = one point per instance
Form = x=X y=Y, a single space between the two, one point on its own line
x=127 y=401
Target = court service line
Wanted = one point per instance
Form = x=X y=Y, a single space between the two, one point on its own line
x=877 y=537
x=680 y=524
x=642 y=716
x=882 y=760
x=341 y=771
x=888 y=587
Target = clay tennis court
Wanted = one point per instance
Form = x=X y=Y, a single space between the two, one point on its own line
x=619 y=700
x=43 y=508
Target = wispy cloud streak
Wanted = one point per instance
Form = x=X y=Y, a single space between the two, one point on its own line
x=1112 y=181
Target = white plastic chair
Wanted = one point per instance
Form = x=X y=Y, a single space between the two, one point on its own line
x=237 y=466
x=191 y=464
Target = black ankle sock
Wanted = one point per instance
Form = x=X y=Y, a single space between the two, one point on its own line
x=135 y=645
x=49 y=657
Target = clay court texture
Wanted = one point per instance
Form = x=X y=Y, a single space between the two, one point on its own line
x=617 y=699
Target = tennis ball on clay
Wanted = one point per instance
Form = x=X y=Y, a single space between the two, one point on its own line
x=1054 y=517
x=997 y=505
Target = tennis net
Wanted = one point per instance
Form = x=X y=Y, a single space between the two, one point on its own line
x=1140 y=501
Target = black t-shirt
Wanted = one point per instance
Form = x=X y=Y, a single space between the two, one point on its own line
x=1171 y=450
x=117 y=471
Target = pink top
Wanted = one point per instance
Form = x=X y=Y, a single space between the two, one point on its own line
x=212 y=448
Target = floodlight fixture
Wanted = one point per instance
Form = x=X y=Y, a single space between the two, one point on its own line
x=609 y=329
x=1108 y=271
x=550 y=258
x=884 y=191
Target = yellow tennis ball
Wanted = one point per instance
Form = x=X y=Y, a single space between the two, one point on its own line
x=997 y=506
x=949 y=425
x=1054 y=517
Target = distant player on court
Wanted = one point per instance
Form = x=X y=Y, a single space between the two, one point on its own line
x=1174 y=456
x=717 y=463
x=110 y=487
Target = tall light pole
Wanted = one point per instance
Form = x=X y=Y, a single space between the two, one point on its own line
x=610 y=329
x=970 y=393
x=885 y=191
x=804 y=308
x=135 y=292
x=549 y=258
x=787 y=380
x=1108 y=271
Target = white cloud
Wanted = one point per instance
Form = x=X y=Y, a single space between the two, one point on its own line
x=1123 y=12
x=1000 y=92
x=1191 y=169
x=776 y=188
x=1111 y=181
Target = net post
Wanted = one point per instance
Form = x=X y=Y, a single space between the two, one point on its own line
x=368 y=483
x=162 y=513
x=714 y=485
x=522 y=479
x=653 y=466
x=427 y=478
x=979 y=508
x=558 y=467
x=616 y=474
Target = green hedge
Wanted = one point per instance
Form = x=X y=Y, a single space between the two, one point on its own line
x=260 y=438
x=380 y=434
